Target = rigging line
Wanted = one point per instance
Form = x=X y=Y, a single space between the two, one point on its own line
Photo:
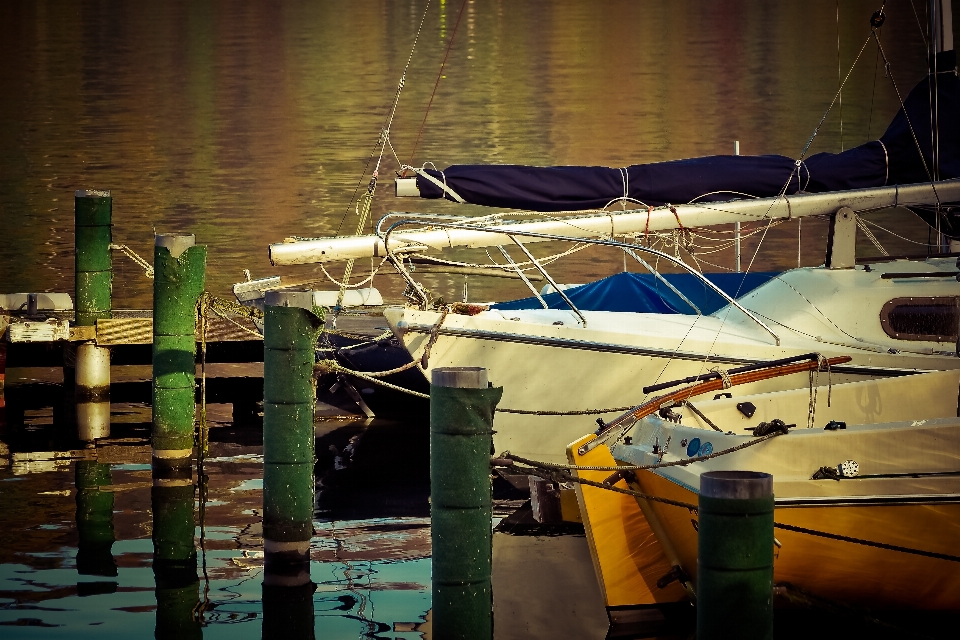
x=453 y=35
x=913 y=133
x=923 y=33
x=873 y=94
x=803 y=154
x=384 y=137
x=895 y=235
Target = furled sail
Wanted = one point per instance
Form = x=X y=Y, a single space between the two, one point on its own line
x=893 y=159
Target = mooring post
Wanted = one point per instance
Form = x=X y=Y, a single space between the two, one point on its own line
x=93 y=212
x=94 y=520
x=461 y=441
x=179 y=269
x=290 y=330
x=735 y=556
x=175 y=559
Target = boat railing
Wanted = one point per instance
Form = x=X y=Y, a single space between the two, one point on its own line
x=632 y=249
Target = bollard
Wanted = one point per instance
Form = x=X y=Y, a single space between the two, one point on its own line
x=289 y=339
x=94 y=520
x=179 y=269
x=735 y=556
x=175 y=560
x=93 y=211
x=461 y=441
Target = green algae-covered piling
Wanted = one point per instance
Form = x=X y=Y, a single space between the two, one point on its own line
x=179 y=270
x=93 y=213
x=289 y=340
x=461 y=440
x=94 y=520
x=735 y=556
x=175 y=559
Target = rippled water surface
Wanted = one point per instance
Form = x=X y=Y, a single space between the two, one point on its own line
x=246 y=122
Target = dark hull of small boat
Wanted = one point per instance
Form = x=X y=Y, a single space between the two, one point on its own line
x=382 y=355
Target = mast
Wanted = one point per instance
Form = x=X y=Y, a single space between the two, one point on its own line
x=940 y=28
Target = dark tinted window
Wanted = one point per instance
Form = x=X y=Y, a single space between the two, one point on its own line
x=933 y=319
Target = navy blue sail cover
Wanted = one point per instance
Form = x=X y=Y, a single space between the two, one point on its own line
x=645 y=293
x=894 y=159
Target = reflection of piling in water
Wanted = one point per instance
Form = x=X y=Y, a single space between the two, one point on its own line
x=290 y=333
x=93 y=211
x=461 y=440
x=94 y=520
x=179 y=269
x=175 y=559
x=3 y=375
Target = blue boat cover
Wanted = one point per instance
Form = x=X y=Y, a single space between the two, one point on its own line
x=645 y=293
x=894 y=159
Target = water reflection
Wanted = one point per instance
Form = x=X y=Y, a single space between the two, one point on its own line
x=95 y=526
x=287 y=530
x=175 y=559
x=198 y=114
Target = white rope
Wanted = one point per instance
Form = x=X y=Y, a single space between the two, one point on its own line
x=344 y=285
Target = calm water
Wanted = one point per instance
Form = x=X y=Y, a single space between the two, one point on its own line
x=246 y=122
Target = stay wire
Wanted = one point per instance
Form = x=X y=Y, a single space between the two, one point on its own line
x=903 y=107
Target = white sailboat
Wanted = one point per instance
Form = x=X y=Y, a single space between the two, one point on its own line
x=891 y=317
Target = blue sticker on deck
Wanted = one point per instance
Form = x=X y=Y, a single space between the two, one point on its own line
x=693 y=447
x=706 y=449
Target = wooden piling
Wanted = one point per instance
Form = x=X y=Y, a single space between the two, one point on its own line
x=289 y=340
x=93 y=211
x=93 y=217
x=735 y=556
x=179 y=272
x=461 y=440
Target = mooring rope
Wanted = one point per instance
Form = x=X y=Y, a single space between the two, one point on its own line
x=583 y=412
x=133 y=255
x=327 y=366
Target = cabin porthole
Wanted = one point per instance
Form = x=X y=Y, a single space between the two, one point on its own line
x=922 y=319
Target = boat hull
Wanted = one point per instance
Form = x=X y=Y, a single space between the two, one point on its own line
x=546 y=369
x=854 y=570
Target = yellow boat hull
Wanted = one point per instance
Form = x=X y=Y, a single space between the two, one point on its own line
x=865 y=569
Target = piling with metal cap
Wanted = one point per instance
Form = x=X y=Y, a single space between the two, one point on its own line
x=93 y=213
x=290 y=334
x=735 y=556
x=94 y=519
x=175 y=559
x=179 y=271
x=462 y=404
